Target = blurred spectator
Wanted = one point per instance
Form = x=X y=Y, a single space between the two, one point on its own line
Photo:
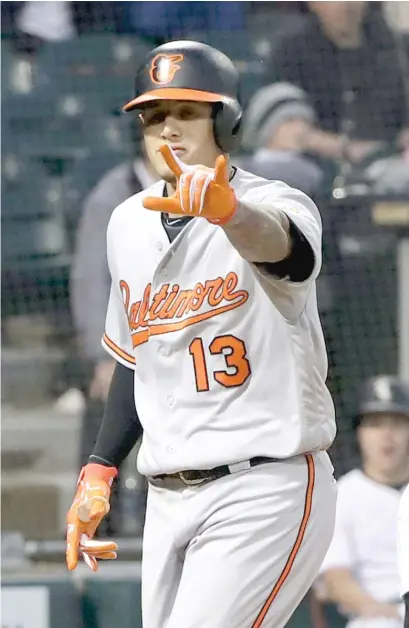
x=345 y=58
x=49 y=21
x=277 y=119
x=30 y=23
x=163 y=21
x=360 y=571
x=90 y=285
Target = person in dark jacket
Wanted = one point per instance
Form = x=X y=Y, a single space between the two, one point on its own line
x=345 y=59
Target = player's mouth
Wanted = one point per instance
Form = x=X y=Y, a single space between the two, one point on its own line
x=177 y=149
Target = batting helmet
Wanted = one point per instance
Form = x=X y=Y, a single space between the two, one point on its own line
x=383 y=394
x=189 y=70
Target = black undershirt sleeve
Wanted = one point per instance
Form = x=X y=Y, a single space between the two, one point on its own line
x=299 y=265
x=406 y=599
x=120 y=427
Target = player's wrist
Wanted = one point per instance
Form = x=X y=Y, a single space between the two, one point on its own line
x=229 y=215
x=95 y=471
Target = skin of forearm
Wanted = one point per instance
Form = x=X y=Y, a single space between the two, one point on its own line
x=259 y=233
x=324 y=143
x=343 y=589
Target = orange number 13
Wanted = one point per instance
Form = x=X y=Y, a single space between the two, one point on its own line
x=234 y=351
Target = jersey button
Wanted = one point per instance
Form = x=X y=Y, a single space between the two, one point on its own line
x=162 y=350
x=170 y=449
x=164 y=272
x=171 y=401
x=159 y=246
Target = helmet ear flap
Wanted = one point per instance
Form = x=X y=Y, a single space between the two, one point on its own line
x=227 y=124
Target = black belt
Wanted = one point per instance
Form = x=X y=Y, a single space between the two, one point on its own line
x=197 y=477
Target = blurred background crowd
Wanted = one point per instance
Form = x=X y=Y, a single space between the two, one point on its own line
x=325 y=91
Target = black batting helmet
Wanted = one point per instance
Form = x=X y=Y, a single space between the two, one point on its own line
x=189 y=70
x=383 y=394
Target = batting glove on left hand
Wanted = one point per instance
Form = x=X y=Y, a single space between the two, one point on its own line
x=90 y=506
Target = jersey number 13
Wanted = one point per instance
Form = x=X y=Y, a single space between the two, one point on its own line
x=234 y=351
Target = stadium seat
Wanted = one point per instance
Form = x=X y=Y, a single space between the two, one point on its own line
x=21 y=180
x=101 y=66
x=53 y=123
x=34 y=243
x=91 y=54
x=18 y=72
x=32 y=218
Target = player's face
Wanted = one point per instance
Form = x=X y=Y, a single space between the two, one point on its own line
x=384 y=442
x=187 y=127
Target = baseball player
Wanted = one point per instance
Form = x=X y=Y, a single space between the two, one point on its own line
x=361 y=567
x=213 y=322
x=403 y=550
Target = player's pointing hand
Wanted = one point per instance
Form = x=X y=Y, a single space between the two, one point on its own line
x=200 y=191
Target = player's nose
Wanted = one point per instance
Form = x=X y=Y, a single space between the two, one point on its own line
x=171 y=129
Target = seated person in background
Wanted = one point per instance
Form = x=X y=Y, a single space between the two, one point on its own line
x=277 y=120
x=360 y=571
x=345 y=59
x=90 y=286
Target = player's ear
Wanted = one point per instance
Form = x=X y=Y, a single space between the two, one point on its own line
x=141 y=119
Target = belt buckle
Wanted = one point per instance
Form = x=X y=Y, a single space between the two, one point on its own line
x=185 y=480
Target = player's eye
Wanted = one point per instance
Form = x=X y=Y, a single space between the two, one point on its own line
x=154 y=117
x=187 y=113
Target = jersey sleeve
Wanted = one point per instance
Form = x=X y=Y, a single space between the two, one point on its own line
x=117 y=339
x=341 y=553
x=288 y=295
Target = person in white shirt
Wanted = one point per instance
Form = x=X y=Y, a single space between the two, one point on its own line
x=360 y=570
x=403 y=550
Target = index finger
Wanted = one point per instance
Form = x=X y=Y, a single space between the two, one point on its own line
x=73 y=541
x=221 y=170
x=172 y=161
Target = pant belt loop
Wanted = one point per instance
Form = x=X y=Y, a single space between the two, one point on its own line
x=239 y=466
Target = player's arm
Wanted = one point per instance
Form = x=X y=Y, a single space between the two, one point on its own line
x=118 y=434
x=120 y=428
x=266 y=236
x=264 y=225
x=119 y=431
x=343 y=589
x=260 y=232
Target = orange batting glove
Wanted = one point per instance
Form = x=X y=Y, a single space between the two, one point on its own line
x=200 y=191
x=89 y=507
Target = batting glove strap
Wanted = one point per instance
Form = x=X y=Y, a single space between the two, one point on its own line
x=94 y=471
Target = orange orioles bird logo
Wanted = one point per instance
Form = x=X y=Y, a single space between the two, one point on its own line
x=164 y=68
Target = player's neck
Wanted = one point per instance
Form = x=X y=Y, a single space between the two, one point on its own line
x=391 y=478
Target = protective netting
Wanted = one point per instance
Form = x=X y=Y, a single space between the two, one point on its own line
x=65 y=76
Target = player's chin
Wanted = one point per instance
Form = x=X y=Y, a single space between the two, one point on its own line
x=168 y=176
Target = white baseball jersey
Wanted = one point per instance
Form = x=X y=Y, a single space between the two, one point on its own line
x=365 y=536
x=229 y=363
x=403 y=541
